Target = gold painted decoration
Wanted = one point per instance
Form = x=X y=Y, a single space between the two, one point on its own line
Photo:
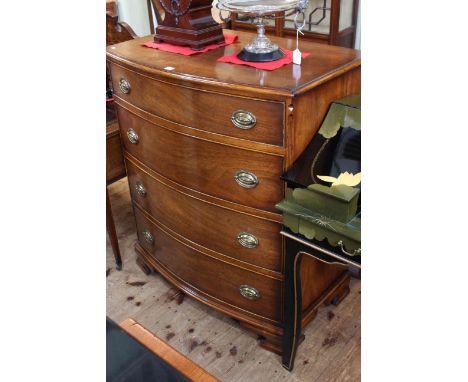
x=312 y=225
x=343 y=113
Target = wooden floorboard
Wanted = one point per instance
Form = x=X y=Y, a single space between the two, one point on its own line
x=331 y=351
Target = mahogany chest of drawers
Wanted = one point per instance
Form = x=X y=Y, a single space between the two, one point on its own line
x=205 y=144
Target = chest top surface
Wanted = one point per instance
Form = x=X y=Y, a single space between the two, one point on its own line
x=324 y=63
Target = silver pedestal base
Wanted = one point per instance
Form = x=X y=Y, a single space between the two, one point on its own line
x=261 y=49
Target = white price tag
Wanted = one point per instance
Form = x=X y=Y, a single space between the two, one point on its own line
x=297 y=56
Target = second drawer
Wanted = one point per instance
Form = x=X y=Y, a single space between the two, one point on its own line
x=240 y=236
x=234 y=174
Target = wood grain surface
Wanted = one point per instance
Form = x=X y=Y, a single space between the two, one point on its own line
x=324 y=63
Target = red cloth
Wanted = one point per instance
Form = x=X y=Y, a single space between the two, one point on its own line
x=186 y=50
x=272 y=65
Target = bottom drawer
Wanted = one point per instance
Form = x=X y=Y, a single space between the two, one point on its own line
x=233 y=285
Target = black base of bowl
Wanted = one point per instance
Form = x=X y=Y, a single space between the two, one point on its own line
x=260 y=57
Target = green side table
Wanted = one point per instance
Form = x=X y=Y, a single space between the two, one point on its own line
x=322 y=209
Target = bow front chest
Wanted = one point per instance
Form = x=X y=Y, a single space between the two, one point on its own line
x=205 y=144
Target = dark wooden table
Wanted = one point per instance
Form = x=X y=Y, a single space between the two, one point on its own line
x=135 y=354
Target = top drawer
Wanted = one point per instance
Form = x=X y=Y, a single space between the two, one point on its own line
x=255 y=120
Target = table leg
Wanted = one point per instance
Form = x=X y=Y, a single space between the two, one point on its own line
x=112 y=234
x=293 y=304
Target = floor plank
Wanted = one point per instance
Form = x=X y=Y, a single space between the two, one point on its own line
x=331 y=351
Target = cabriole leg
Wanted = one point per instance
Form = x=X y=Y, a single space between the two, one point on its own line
x=293 y=304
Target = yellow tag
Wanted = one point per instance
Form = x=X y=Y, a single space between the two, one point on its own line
x=345 y=178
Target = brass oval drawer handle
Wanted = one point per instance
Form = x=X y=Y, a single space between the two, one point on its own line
x=243 y=119
x=249 y=292
x=246 y=179
x=148 y=237
x=247 y=240
x=132 y=136
x=140 y=189
x=124 y=86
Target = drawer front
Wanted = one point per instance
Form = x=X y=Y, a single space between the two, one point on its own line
x=244 y=118
x=260 y=295
x=243 y=237
x=205 y=166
